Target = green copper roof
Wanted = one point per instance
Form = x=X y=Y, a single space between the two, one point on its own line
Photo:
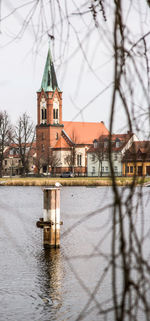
x=49 y=80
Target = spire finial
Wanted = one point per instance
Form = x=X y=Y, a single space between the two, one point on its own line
x=48 y=41
x=50 y=37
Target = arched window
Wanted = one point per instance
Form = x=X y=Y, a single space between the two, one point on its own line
x=79 y=160
x=56 y=111
x=43 y=111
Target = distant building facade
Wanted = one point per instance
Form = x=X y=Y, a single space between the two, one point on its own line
x=12 y=164
x=136 y=161
x=98 y=155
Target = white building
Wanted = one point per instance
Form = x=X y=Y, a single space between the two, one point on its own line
x=98 y=155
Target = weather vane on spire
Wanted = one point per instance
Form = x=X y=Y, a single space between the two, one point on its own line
x=50 y=37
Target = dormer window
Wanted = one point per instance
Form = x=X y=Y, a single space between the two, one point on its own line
x=95 y=143
x=117 y=142
x=105 y=142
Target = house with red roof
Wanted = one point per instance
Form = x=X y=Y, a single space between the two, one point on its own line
x=98 y=163
x=136 y=160
x=61 y=145
x=12 y=163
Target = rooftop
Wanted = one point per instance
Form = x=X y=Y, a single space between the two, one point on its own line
x=84 y=132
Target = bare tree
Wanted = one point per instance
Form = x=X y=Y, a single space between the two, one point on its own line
x=100 y=153
x=24 y=135
x=51 y=160
x=130 y=87
x=47 y=159
x=5 y=136
x=71 y=157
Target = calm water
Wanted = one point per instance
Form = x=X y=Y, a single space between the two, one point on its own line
x=51 y=285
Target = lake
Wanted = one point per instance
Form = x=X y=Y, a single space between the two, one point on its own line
x=63 y=284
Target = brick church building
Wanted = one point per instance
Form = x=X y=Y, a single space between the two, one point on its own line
x=61 y=145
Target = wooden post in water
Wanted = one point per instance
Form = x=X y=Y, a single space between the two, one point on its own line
x=51 y=217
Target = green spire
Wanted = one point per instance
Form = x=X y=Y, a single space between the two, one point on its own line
x=49 y=80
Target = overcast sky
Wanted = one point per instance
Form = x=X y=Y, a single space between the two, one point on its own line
x=82 y=74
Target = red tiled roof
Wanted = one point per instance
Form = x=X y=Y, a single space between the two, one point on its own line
x=61 y=143
x=83 y=132
x=143 y=146
x=15 y=146
x=123 y=138
x=139 y=151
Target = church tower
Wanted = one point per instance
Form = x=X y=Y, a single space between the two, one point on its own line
x=49 y=109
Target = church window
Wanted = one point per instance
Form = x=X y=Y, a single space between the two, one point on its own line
x=43 y=147
x=55 y=114
x=56 y=111
x=56 y=136
x=79 y=160
x=43 y=111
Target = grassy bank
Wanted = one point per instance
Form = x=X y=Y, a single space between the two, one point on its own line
x=77 y=181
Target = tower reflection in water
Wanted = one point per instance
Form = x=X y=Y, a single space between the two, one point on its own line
x=51 y=276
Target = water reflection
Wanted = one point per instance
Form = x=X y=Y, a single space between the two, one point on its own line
x=50 y=277
x=56 y=285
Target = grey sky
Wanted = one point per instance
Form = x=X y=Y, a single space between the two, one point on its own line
x=82 y=74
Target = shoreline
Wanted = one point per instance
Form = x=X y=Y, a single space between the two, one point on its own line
x=77 y=181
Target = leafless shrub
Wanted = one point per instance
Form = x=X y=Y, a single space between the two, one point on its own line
x=5 y=136
x=24 y=135
x=130 y=91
